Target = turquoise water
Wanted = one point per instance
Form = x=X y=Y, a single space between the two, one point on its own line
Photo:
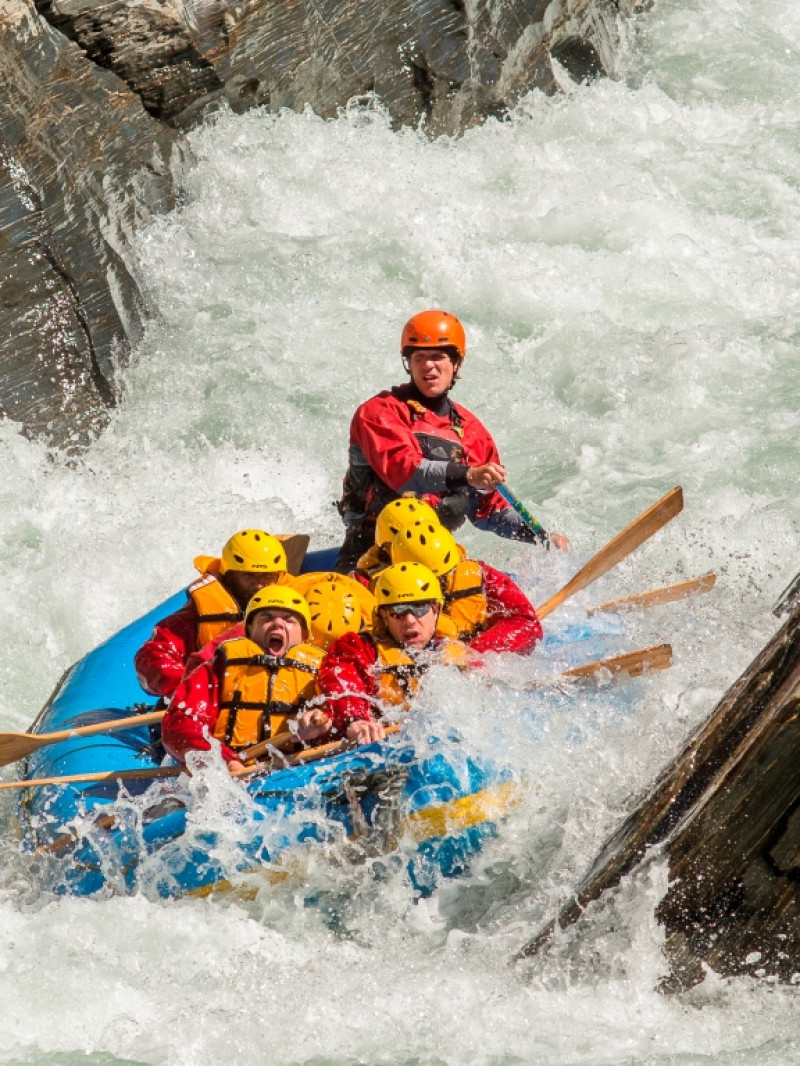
x=626 y=260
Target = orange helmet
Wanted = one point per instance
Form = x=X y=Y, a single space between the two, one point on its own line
x=434 y=329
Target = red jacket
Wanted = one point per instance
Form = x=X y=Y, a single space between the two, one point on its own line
x=347 y=681
x=347 y=678
x=383 y=429
x=192 y=714
x=511 y=620
x=161 y=661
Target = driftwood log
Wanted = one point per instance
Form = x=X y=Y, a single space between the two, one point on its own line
x=726 y=816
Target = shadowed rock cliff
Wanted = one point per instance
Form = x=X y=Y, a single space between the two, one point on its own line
x=442 y=61
x=82 y=165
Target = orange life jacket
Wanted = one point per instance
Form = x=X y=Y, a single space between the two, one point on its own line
x=217 y=610
x=397 y=672
x=259 y=692
x=464 y=598
x=372 y=562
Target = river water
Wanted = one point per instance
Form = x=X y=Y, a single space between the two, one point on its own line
x=626 y=259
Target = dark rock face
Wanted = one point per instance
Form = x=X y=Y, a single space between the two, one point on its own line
x=144 y=45
x=726 y=816
x=81 y=165
x=92 y=92
x=441 y=61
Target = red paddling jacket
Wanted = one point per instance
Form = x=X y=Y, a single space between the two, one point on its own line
x=402 y=442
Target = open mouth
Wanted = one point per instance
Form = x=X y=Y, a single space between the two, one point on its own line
x=275 y=643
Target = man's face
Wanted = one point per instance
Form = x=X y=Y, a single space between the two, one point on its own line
x=275 y=630
x=432 y=371
x=244 y=584
x=406 y=628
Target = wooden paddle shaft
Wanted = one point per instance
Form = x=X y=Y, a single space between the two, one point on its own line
x=106 y=775
x=15 y=746
x=632 y=663
x=619 y=547
x=322 y=751
x=655 y=597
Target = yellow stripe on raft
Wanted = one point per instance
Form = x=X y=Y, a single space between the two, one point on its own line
x=490 y=805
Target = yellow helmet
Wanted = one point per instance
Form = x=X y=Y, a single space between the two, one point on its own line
x=253 y=550
x=334 y=608
x=407 y=583
x=282 y=598
x=399 y=514
x=429 y=544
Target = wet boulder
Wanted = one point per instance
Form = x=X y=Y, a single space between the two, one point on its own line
x=442 y=62
x=725 y=817
x=82 y=166
x=94 y=92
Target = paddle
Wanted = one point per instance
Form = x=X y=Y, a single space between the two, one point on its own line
x=666 y=594
x=532 y=523
x=15 y=746
x=307 y=755
x=619 y=548
x=631 y=663
x=322 y=751
x=295 y=545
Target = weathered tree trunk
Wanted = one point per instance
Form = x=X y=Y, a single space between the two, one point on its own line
x=726 y=815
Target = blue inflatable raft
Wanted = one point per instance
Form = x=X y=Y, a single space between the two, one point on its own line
x=210 y=833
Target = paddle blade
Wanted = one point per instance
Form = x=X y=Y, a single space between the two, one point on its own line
x=655 y=597
x=618 y=548
x=16 y=746
x=631 y=664
x=295 y=545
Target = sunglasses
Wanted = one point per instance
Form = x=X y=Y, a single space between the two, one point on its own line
x=397 y=610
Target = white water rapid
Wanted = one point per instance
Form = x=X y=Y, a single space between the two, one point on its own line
x=626 y=259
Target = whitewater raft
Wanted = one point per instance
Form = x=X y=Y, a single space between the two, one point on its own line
x=168 y=839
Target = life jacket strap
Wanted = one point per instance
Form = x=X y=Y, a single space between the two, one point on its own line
x=271 y=662
x=461 y=594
